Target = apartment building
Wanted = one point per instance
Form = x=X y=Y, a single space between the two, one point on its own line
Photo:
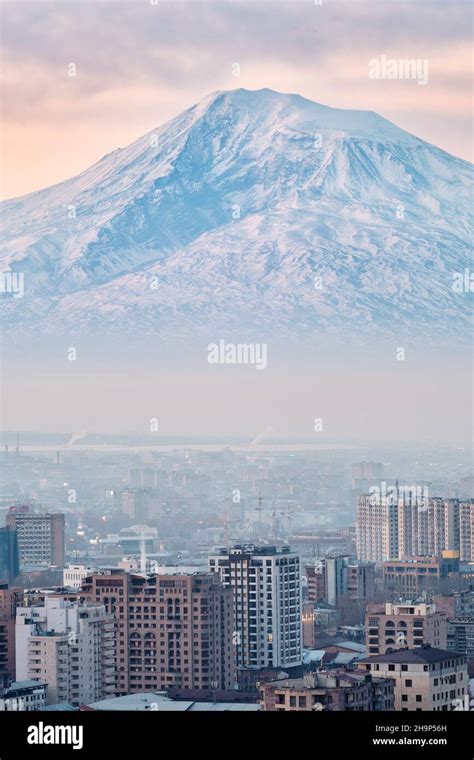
x=460 y=636
x=395 y=626
x=40 y=537
x=456 y=604
x=315 y=575
x=172 y=630
x=425 y=678
x=407 y=524
x=70 y=646
x=466 y=531
x=23 y=696
x=339 y=690
x=412 y=576
x=73 y=575
x=266 y=587
x=377 y=528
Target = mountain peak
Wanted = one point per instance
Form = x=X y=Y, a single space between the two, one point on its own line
x=233 y=207
x=306 y=114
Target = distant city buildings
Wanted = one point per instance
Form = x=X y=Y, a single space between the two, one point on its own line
x=40 y=537
x=396 y=626
x=74 y=574
x=136 y=541
x=414 y=575
x=460 y=636
x=266 y=587
x=402 y=524
x=315 y=574
x=425 y=678
x=71 y=646
x=365 y=473
x=185 y=626
x=457 y=603
x=466 y=531
x=349 y=577
x=139 y=504
x=333 y=578
x=376 y=529
x=9 y=556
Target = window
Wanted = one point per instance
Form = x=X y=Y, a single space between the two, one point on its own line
x=418 y=698
x=292 y=701
x=408 y=682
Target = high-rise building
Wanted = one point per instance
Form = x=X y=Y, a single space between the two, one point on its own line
x=348 y=577
x=172 y=630
x=330 y=579
x=9 y=559
x=376 y=528
x=336 y=579
x=40 y=537
x=466 y=531
x=425 y=678
x=266 y=587
x=390 y=627
x=405 y=523
x=69 y=645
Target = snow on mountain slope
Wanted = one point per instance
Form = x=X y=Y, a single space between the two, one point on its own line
x=229 y=212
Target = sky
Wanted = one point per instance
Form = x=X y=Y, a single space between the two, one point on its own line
x=138 y=63
x=357 y=397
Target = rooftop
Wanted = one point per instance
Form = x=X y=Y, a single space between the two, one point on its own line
x=159 y=702
x=424 y=654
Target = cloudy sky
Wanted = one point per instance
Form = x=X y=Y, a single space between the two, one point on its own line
x=140 y=62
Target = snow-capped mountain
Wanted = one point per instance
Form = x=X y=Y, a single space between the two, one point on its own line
x=251 y=211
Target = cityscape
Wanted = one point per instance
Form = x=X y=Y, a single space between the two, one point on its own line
x=236 y=378
x=236 y=577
